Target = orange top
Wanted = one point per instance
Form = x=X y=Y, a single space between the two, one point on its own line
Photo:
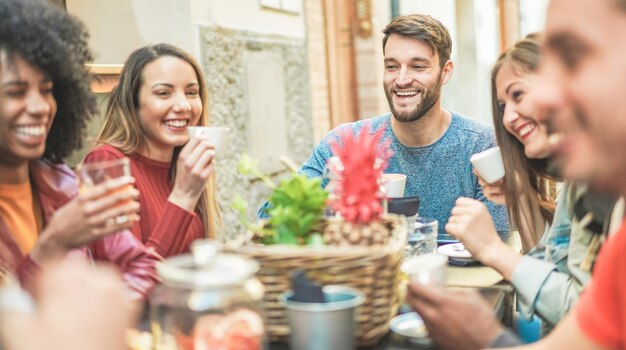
x=601 y=310
x=18 y=210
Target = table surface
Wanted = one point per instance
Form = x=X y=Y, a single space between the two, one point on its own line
x=480 y=276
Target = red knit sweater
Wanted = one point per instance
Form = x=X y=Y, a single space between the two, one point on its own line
x=163 y=225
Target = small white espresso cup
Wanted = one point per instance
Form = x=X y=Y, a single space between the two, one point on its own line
x=489 y=164
x=216 y=135
x=394 y=185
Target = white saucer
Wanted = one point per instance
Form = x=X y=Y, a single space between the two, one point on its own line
x=456 y=251
x=411 y=326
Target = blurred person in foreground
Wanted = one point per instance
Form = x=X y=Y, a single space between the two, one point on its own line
x=583 y=70
x=550 y=278
x=76 y=306
x=46 y=103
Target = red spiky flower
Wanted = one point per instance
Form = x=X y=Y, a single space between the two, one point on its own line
x=363 y=159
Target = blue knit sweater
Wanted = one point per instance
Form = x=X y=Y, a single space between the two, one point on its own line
x=438 y=173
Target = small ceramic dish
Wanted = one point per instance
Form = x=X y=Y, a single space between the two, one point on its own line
x=411 y=326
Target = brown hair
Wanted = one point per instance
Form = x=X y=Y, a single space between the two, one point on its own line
x=424 y=28
x=528 y=184
x=123 y=130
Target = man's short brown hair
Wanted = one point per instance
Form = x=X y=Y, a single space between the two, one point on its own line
x=424 y=28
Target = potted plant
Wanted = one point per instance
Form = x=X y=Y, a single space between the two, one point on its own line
x=360 y=247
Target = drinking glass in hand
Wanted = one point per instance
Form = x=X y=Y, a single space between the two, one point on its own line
x=423 y=238
x=92 y=174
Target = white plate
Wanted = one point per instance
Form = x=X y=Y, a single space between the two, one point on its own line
x=456 y=251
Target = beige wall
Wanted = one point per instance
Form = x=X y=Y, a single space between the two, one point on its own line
x=117 y=27
x=249 y=15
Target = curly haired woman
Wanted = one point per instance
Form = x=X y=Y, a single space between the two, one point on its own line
x=45 y=103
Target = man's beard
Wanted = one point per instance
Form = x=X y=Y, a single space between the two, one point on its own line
x=431 y=96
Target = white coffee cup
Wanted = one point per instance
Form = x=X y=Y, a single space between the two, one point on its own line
x=427 y=269
x=489 y=164
x=216 y=135
x=394 y=185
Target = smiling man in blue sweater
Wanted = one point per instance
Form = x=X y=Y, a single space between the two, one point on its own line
x=431 y=145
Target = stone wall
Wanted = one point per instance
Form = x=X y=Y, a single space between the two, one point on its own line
x=227 y=57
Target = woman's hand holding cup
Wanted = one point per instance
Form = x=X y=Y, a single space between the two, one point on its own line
x=489 y=168
x=492 y=191
x=193 y=170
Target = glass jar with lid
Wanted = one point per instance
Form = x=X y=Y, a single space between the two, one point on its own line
x=207 y=302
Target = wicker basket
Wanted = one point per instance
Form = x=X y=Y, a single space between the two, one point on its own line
x=373 y=270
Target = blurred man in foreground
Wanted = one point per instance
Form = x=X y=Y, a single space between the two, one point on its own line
x=583 y=69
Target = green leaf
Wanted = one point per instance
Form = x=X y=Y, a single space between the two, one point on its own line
x=307 y=222
x=285 y=236
x=281 y=198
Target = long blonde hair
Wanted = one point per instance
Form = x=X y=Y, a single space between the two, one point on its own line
x=533 y=180
x=122 y=128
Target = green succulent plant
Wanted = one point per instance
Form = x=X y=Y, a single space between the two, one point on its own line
x=296 y=211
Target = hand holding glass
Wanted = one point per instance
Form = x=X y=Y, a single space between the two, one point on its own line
x=92 y=174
